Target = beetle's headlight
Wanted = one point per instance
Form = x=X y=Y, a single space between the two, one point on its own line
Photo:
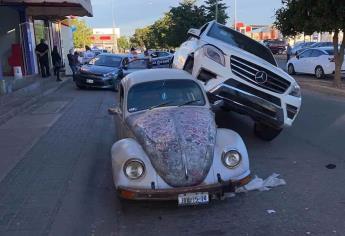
x=214 y=54
x=296 y=90
x=231 y=159
x=134 y=169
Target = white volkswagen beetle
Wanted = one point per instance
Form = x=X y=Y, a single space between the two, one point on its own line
x=169 y=147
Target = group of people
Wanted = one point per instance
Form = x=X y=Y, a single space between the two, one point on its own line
x=42 y=51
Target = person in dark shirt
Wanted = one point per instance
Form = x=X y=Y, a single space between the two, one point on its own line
x=42 y=51
x=72 y=62
x=56 y=58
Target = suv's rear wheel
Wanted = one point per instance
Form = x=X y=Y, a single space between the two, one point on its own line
x=266 y=132
x=319 y=73
x=291 y=69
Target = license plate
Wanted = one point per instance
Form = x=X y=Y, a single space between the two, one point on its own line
x=89 y=81
x=190 y=199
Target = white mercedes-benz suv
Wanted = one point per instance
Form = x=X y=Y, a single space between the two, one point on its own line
x=244 y=74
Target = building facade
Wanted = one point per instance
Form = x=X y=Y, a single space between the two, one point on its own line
x=106 y=38
x=23 y=23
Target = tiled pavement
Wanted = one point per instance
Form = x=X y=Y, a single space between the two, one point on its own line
x=31 y=194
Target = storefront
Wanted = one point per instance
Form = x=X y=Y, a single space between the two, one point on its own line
x=23 y=23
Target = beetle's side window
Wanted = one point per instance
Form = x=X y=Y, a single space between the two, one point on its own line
x=121 y=97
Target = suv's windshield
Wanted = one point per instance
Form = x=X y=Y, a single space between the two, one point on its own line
x=167 y=92
x=241 y=41
x=106 y=60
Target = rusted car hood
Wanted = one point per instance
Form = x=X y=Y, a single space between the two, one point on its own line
x=179 y=142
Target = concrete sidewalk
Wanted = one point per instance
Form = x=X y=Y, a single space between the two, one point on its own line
x=27 y=92
x=324 y=86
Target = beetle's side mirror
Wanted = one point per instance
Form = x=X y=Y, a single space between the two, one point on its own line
x=194 y=33
x=217 y=105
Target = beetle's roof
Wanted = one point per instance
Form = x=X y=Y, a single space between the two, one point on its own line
x=154 y=74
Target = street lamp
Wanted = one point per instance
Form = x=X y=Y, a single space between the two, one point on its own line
x=235 y=17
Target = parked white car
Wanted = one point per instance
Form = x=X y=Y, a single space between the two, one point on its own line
x=317 y=61
x=244 y=74
x=169 y=147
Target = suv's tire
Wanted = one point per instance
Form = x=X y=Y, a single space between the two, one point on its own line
x=291 y=69
x=266 y=132
x=188 y=66
x=319 y=73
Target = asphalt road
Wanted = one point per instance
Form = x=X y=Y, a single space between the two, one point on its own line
x=62 y=183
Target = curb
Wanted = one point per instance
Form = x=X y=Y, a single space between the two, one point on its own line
x=322 y=89
x=25 y=106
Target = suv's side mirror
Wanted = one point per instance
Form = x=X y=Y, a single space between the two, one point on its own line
x=297 y=57
x=194 y=33
x=217 y=105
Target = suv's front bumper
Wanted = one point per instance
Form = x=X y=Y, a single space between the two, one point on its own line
x=256 y=105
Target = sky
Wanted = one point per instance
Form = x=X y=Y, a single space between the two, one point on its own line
x=132 y=14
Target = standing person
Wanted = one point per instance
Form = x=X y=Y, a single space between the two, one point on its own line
x=56 y=58
x=42 y=51
x=149 y=58
x=72 y=62
x=288 y=51
x=88 y=54
x=133 y=54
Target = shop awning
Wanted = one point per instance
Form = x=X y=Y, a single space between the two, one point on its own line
x=53 y=8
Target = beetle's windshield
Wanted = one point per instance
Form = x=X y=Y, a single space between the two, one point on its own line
x=168 y=92
x=241 y=41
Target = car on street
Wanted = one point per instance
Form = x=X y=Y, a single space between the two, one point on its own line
x=317 y=61
x=169 y=147
x=244 y=74
x=277 y=46
x=161 y=59
x=107 y=70
x=300 y=46
x=100 y=72
x=321 y=45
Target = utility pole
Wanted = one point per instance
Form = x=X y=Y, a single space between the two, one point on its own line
x=235 y=18
x=114 y=31
x=217 y=10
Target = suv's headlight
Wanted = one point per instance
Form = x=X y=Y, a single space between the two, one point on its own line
x=231 y=159
x=296 y=90
x=134 y=169
x=214 y=54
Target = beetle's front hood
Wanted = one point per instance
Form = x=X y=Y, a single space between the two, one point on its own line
x=178 y=141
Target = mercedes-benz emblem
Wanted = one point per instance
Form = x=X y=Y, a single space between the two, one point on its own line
x=261 y=77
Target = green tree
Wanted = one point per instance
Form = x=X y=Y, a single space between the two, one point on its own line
x=183 y=17
x=123 y=43
x=83 y=33
x=216 y=11
x=309 y=16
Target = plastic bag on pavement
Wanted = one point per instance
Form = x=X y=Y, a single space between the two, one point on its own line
x=262 y=185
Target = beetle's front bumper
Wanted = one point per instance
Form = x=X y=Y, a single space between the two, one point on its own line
x=172 y=194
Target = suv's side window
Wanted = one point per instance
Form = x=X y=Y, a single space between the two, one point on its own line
x=203 y=28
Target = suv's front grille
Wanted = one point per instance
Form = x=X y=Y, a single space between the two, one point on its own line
x=248 y=70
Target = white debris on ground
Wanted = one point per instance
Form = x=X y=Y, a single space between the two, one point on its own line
x=262 y=185
x=258 y=184
x=271 y=211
